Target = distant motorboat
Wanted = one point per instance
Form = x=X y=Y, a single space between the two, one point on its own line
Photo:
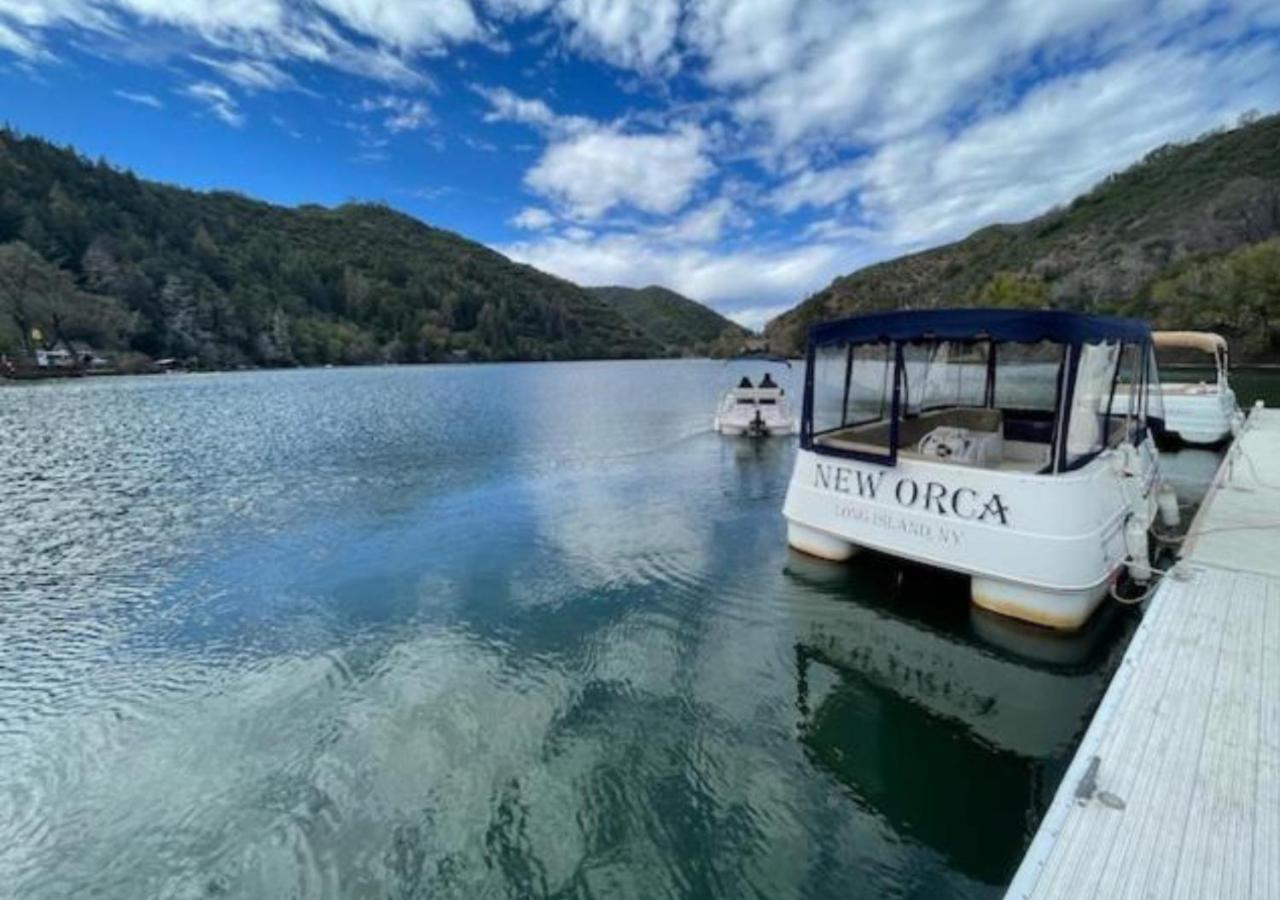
x=755 y=410
x=1201 y=413
x=1012 y=446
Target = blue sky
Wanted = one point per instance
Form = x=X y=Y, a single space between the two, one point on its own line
x=741 y=151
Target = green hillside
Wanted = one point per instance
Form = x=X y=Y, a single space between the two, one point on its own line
x=682 y=327
x=1186 y=238
x=130 y=265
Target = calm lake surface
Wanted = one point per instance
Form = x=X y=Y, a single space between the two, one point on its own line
x=490 y=631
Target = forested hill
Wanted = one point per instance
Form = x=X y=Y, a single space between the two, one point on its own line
x=1189 y=238
x=124 y=264
x=682 y=327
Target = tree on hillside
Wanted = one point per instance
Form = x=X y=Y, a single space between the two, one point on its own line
x=39 y=298
x=34 y=294
x=1238 y=293
x=1014 y=290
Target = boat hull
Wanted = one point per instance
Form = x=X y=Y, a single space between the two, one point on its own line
x=1044 y=549
x=1200 y=415
x=769 y=426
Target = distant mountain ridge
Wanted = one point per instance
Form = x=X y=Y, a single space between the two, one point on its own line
x=681 y=326
x=133 y=265
x=1188 y=237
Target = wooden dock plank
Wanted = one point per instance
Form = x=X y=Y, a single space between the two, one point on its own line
x=1129 y=755
x=1160 y=800
x=1222 y=787
x=1238 y=526
x=1186 y=802
x=1266 y=833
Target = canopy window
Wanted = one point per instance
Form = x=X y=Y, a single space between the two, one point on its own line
x=1090 y=423
x=854 y=386
x=1191 y=347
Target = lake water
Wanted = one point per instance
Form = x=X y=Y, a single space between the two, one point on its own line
x=491 y=631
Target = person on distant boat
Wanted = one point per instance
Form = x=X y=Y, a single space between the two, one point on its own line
x=746 y=382
x=768 y=381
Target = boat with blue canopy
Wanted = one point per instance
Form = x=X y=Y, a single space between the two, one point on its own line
x=1014 y=446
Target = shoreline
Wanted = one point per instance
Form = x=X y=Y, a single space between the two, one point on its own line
x=27 y=377
x=75 y=376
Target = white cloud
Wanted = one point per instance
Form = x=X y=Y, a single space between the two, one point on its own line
x=1063 y=137
x=756 y=317
x=704 y=225
x=19 y=45
x=633 y=34
x=818 y=187
x=254 y=74
x=203 y=16
x=760 y=278
x=217 y=100
x=265 y=33
x=823 y=70
x=637 y=34
x=592 y=172
x=402 y=113
x=506 y=105
x=141 y=99
x=406 y=25
x=532 y=218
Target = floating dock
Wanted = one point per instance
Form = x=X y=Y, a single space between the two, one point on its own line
x=1175 y=788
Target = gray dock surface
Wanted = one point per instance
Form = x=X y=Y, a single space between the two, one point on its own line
x=1175 y=789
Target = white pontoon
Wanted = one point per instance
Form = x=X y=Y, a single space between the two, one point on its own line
x=755 y=409
x=1201 y=413
x=988 y=442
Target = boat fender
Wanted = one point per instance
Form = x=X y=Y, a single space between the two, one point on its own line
x=1128 y=461
x=1135 y=542
x=1167 y=499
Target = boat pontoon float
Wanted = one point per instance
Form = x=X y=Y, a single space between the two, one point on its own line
x=1202 y=414
x=755 y=409
x=1013 y=446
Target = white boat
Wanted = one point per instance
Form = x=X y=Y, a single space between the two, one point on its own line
x=1203 y=413
x=986 y=442
x=755 y=409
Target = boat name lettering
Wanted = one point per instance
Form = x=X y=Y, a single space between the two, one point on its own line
x=891 y=521
x=930 y=496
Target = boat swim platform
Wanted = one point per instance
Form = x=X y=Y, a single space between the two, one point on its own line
x=1174 y=791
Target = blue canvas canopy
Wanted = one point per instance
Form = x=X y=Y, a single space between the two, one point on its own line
x=1022 y=326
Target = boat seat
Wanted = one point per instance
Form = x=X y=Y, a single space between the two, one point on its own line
x=760 y=395
x=873 y=437
x=975 y=419
x=962 y=446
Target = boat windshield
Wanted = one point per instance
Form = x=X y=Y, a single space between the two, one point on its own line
x=986 y=399
x=1189 y=348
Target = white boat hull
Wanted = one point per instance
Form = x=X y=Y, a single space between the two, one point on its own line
x=755 y=412
x=1200 y=414
x=739 y=428
x=1045 y=549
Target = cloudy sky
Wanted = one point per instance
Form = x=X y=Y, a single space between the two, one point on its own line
x=741 y=151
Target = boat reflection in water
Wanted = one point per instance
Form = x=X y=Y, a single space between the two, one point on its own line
x=951 y=723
